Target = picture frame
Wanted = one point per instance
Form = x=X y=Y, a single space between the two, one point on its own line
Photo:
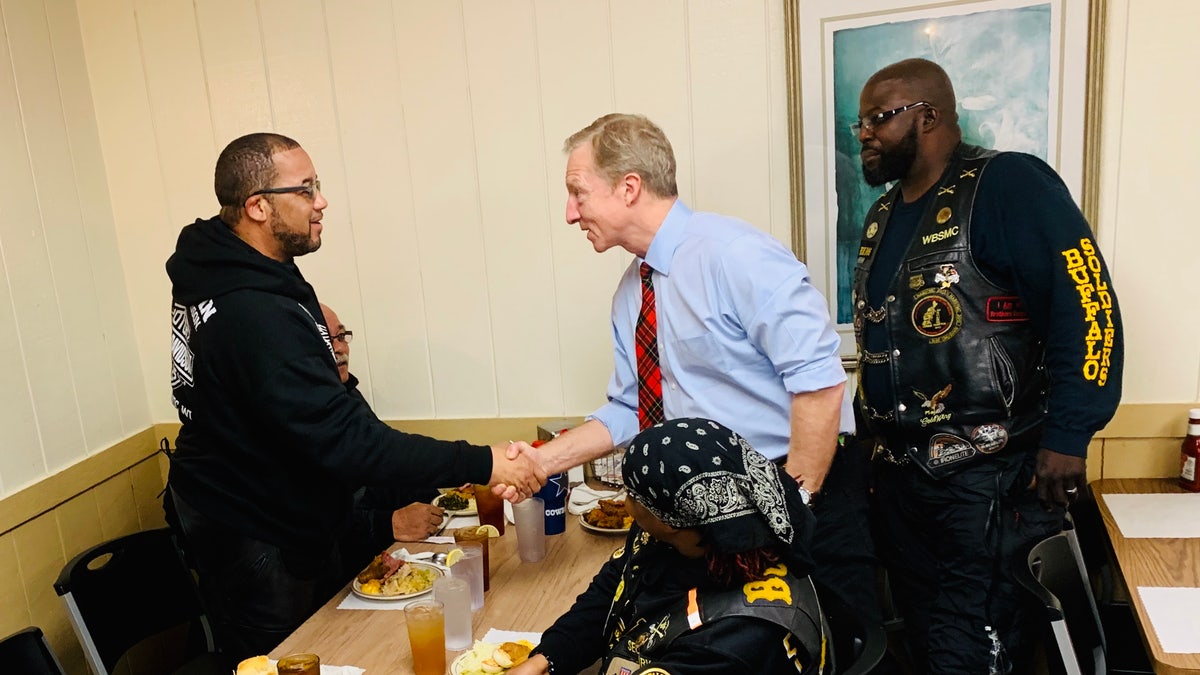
x=1026 y=74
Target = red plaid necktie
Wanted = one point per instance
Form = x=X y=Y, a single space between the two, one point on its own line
x=650 y=407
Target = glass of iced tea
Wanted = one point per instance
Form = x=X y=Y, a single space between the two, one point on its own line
x=490 y=507
x=299 y=664
x=427 y=636
x=473 y=534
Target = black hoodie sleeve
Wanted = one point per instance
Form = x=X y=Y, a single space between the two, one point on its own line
x=295 y=392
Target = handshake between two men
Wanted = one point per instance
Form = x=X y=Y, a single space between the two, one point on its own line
x=585 y=442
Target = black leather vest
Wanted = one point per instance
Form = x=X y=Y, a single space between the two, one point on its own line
x=966 y=369
x=781 y=598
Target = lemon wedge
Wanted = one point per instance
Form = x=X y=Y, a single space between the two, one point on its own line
x=453 y=556
x=490 y=529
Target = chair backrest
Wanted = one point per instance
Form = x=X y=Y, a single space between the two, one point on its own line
x=124 y=591
x=27 y=652
x=1053 y=571
x=856 y=646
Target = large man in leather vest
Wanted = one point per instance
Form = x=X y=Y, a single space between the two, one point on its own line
x=990 y=351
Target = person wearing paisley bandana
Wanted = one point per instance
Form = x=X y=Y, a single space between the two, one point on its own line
x=990 y=352
x=713 y=574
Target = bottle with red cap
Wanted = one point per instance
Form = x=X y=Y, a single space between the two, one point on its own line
x=1189 y=454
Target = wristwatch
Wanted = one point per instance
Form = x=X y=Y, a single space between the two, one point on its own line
x=805 y=496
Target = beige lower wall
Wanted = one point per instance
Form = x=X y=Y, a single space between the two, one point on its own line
x=112 y=493
x=117 y=491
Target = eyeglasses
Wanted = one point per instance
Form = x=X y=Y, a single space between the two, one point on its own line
x=310 y=191
x=346 y=336
x=871 y=121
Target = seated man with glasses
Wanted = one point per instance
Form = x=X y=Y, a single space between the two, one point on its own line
x=382 y=515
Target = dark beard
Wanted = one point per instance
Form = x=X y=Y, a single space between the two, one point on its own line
x=894 y=164
x=292 y=244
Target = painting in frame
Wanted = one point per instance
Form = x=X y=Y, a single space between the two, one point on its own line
x=1020 y=70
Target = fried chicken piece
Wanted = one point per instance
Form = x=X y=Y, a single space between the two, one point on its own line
x=608 y=514
x=511 y=654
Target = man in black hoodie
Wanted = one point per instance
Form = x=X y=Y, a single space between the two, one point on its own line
x=272 y=445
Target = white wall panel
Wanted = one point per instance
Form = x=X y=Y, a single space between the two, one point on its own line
x=728 y=52
x=577 y=82
x=295 y=46
x=779 y=178
x=235 y=74
x=36 y=310
x=170 y=51
x=21 y=459
x=510 y=152
x=146 y=233
x=75 y=292
x=651 y=38
x=113 y=328
x=432 y=57
x=1158 y=275
x=392 y=355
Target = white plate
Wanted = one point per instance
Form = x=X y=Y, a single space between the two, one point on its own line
x=603 y=530
x=356 y=588
x=469 y=511
x=459 y=665
x=456 y=666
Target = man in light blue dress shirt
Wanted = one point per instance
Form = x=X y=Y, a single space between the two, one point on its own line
x=743 y=336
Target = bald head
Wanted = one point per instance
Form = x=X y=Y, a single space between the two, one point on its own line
x=908 y=126
x=921 y=80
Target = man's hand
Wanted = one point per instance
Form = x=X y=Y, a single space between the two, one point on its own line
x=536 y=665
x=513 y=451
x=522 y=474
x=416 y=521
x=1059 y=478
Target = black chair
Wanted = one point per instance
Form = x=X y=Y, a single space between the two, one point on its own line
x=856 y=646
x=26 y=651
x=1053 y=571
x=134 y=598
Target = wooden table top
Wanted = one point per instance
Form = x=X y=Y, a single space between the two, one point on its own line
x=522 y=597
x=1151 y=562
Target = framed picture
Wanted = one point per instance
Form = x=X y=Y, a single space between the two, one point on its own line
x=1024 y=72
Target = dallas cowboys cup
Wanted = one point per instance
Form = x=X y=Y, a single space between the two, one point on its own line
x=554 y=494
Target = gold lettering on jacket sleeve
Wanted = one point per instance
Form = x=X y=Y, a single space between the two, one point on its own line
x=1084 y=269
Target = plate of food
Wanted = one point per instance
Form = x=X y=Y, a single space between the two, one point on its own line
x=485 y=658
x=388 y=578
x=456 y=501
x=608 y=517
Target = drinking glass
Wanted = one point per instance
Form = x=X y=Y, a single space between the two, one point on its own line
x=472 y=535
x=490 y=507
x=455 y=595
x=299 y=664
x=427 y=636
x=471 y=567
x=530 y=518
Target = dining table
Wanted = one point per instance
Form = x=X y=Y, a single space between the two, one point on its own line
x=1152 y=563
x=525 y=597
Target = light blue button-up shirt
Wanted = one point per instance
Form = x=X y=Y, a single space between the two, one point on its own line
x=740 y=330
